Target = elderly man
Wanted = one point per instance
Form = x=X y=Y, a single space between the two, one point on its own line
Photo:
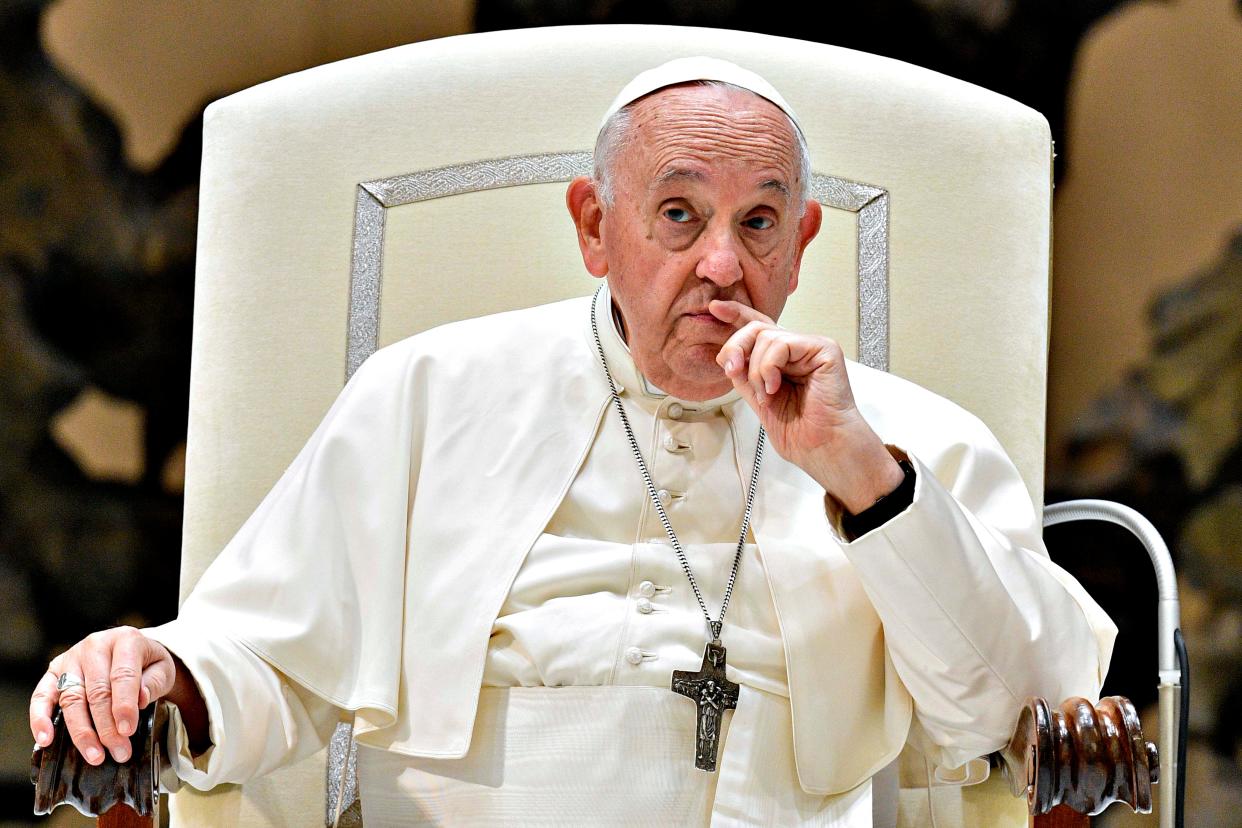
x=544 y=563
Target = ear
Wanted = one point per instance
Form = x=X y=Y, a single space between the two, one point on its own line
x=808 y=228
x=585 y=208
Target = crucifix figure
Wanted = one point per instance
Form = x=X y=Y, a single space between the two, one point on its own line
x=714 y=694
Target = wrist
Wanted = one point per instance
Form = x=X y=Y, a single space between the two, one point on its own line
x=853 y=526
x=856 y=472
x=189 y=700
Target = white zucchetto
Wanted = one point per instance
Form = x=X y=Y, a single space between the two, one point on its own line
x=686 y=69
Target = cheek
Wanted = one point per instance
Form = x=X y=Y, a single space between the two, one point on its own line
x=781 y=255
x=770 y=276
x=771 y=251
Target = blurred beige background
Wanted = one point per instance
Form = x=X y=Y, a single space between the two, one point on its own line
x=1153 y=189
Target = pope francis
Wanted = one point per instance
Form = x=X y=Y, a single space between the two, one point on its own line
x=644 y=557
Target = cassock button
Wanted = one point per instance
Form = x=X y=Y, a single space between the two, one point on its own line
x=634 y=655
x=646 y=589
x=664 y=496
x=644 y=606
x=675 y=411
x=670 y=443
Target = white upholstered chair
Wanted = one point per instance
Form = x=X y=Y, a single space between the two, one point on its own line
x=354 y=204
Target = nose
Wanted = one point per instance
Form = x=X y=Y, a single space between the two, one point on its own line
x=719 y=262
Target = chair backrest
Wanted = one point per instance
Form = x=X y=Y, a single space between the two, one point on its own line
x=357 y=203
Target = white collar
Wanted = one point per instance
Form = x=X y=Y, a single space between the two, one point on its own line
x=630 y=381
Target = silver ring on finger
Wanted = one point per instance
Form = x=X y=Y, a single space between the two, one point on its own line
x=66 y=680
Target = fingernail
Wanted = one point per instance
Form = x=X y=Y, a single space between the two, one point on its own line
x=728 y=366
x=125 y=728
x=43 y=738
x=93 y=755
x=121 y=754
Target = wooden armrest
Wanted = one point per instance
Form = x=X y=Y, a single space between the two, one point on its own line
x=122 y=794
x=1080 y=758
x=1073 y=760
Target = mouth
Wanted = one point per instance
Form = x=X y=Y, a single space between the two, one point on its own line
x=704 y=319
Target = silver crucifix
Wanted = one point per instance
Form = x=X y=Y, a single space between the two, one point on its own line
x=713 y=694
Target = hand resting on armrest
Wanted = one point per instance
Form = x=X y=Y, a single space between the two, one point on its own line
x=100 y=684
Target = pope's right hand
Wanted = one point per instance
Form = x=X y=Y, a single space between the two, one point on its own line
x=120 y=672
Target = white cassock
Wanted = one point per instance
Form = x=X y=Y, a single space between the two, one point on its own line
x=464 y=555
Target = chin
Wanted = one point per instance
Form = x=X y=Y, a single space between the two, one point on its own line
x=700 y=373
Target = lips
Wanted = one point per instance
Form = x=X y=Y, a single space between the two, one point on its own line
x=701 y=313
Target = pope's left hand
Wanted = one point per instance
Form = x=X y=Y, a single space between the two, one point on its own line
x=798 y=386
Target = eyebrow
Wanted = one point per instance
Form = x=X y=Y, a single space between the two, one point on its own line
x=684 y=174
x=677 y=174
x=776 y=184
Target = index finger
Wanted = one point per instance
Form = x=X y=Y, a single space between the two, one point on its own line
x=735 y=313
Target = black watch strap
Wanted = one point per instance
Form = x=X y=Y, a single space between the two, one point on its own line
x=883 y=510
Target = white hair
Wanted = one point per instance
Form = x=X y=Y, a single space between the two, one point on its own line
x=617 y=134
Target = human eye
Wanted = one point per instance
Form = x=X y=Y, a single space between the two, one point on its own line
x=678 y=214
x=759 y=222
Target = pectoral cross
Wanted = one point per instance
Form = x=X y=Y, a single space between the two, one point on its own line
x=713 y=694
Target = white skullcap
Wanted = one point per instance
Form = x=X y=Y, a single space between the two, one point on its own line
x=684 y=70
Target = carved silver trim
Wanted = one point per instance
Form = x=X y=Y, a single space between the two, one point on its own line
x=374 y=197
x=342 y=780
x=365 y=277
x=544 y=168
x=871 y=204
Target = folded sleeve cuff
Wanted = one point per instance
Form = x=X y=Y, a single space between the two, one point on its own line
x=197 y=771
x=258 y=719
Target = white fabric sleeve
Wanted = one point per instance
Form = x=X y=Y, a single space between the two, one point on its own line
x=258 y=719
x=976 y=616
x=300 y=616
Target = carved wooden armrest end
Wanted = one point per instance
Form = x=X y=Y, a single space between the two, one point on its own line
x=60 y=774
x=1080 y=755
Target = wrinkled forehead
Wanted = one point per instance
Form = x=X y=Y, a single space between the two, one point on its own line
x=683 y=131
x=696 y=104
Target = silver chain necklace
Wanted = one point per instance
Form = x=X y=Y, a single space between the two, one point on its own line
x=711 y=691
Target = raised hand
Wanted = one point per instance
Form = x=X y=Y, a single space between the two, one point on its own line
x=798 y=386
x=100 y=684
